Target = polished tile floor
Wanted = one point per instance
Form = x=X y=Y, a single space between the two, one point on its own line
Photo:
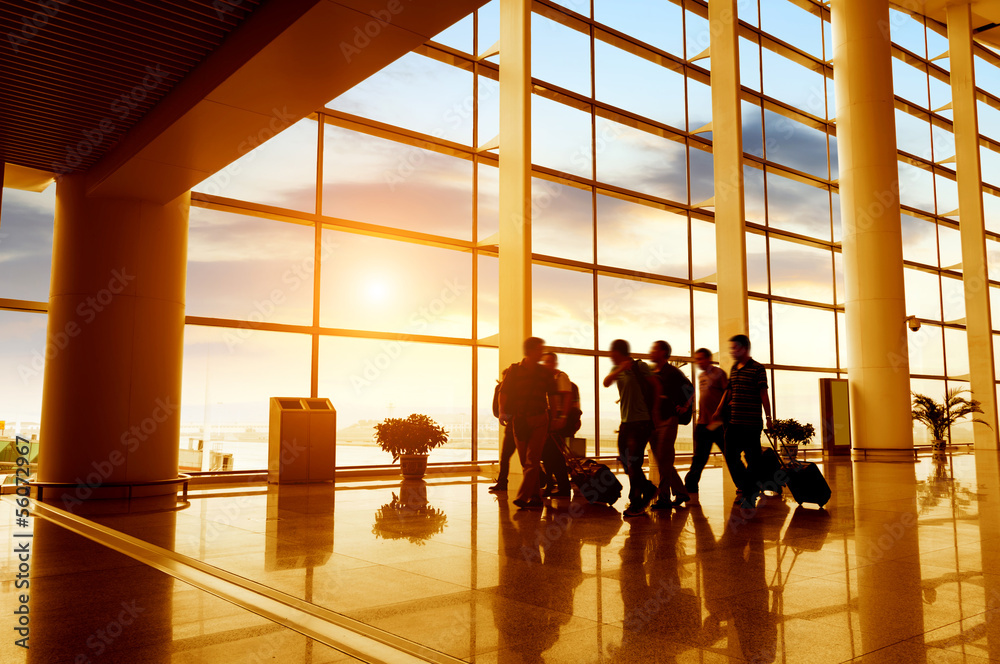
x=903 y=565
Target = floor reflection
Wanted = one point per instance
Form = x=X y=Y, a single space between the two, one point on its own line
x=903 y=565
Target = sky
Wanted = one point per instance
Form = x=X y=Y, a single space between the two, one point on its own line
x=249 y=268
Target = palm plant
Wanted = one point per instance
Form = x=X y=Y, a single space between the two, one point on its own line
x=940 y=417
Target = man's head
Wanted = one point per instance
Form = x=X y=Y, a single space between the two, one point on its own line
x=620 y=351
x=533 y=348
x=703 y=358
x=660 y=351
x=550 y=360
x=739 y=347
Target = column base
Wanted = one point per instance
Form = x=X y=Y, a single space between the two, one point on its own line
x=112 y=497
x=901 y=454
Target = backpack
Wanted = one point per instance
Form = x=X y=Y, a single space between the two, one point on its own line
x=678 y=394
x=574 y=415
x=496 y=400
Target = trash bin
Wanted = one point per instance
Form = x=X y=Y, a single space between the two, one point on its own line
x=302 y=440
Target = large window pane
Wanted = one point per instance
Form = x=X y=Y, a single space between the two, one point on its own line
x=371 y=379
x=655 y=22
x=26 y=220
x=562 y=303
x=796 y=395
x=249 y=268
x=419 y=93
x=795 y=145
x=919 y=241
x=639 y=86
x=789 y=22
x=641 y=161
x=641 y=237
x=641 y=313
x=562 y=220
x=370 y=283
x=926 y=351
x=798 y=207
x=818 y=348
x=560 y=55
x=378 y=181
x=22 y=361
x=802 y=272
x=280 y=172
x=229 y=377
x=561 y=137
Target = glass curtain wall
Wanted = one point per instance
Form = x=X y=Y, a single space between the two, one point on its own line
x=354 y=255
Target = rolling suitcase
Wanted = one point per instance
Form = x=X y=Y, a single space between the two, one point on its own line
x=595 y=480
x=803 y=479
x=771 y=475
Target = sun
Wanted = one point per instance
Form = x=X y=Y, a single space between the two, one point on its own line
x=376 y=291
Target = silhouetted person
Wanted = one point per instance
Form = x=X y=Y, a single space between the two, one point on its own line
x=634 y=381
x=556 y=475
x=745 y=397
x=675 y=397
x=708 y=429
x=524 y=406
x=507 y=446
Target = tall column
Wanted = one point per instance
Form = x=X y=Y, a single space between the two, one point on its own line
x=878 y=364
x=727 y=155
x=978 y=324
x=515 y=178
x=111 y=399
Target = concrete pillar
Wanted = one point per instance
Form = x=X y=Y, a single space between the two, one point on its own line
x=515 y=189
x=978 y=324
x=727 y=153
x=111 y=399
x=878 y=364
x=515 y=178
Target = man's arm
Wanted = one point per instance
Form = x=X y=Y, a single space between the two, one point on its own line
x=504 y=418
x=766 y=400
x=617 y=371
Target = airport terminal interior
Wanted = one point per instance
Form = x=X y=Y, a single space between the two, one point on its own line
x=243 y=241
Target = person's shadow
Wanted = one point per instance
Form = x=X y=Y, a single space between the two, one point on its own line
x=659 y=615
x=540 y=568
x=738 y=598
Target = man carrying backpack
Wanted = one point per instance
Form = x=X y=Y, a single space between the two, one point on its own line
x=556 y=475
x=636 y=390
x=673 y=407
x=524 y=406
x=507 y=447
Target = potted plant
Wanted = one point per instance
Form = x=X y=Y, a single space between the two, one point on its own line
x=940 y=417
x=410 y=440
x=790 y=434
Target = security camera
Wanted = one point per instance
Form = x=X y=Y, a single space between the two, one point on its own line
x=913 y=323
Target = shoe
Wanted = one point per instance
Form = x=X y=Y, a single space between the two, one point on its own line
x=680 y=500
x=528 y=504
x=499 y=487
x=634 y=510
x=693 y=499
x=661 y=504
x=648 y=493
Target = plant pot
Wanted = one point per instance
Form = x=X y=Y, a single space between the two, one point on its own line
x=413 y=466
x=791 y=450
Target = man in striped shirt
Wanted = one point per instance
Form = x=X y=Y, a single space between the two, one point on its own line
x=745 y=397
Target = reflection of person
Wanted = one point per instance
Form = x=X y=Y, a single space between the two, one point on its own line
x=526 y=548
x=507 y=447
x=556 y=475
x=745 y=396
x=708 y=431
x=637 y=424
x=524 y=406
x=734 y=578
x=656 y=608
x=676 y=396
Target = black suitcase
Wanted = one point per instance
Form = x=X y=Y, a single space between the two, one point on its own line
x=595 y=480
x=803 y=479
x=807 y=484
